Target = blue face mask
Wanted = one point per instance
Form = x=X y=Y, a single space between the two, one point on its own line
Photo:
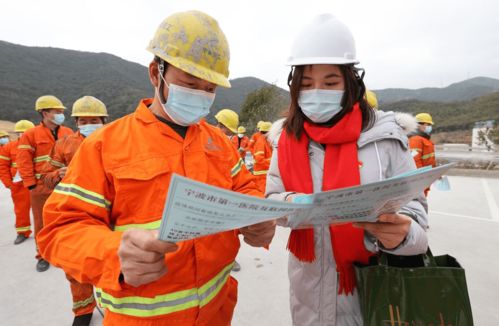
x=320 y=105
x=86 y=130
x=428 y=129
x=4 y=140
x=186 y=106
x=58 y=119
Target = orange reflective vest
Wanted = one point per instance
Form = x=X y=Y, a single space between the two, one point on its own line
x=8 y=165
x=119 y=180
x=34 y=149
x=61 y=155
x=422 y=150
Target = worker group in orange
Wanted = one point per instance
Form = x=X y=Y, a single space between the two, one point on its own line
x=33 y=152
x=90 y=115
x=10 y=178
x=100 y=223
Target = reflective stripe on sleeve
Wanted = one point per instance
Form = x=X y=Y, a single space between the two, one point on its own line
x=146 y=226
x=57 y=163
x=424 y=157
x=260 y=172
x=165 y=303
x=25 y=147
x=4 y=158
x=83 y=194
x=235 y=170
x=44 y=158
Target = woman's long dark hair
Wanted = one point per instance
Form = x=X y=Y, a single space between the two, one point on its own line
x=354 y=92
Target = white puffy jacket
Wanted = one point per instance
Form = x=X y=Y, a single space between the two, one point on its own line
x=383 y=149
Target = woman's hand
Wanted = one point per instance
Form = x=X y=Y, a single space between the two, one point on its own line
x=390 y=229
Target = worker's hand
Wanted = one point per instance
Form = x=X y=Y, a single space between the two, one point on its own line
x=62 y=172
x=259 y=235
x=390 y=229
x=142 y=256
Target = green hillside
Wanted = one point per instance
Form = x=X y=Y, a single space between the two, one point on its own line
x=453 y=116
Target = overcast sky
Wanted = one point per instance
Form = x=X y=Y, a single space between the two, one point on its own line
x=400 y=43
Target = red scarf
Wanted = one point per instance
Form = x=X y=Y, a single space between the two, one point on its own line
x=341 y=169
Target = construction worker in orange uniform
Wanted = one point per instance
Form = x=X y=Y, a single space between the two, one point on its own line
x=33 y=151
x=4 y=138
x=90 y=114
x=422 y=148
x=262 y=152
x=11 y=179
x=242 y=141
x=254 y=136
x=101 y=220
x=227 y=121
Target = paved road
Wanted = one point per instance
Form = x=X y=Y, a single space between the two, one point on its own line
x=464 y=223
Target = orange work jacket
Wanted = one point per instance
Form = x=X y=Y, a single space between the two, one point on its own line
x=119 y=180
x=251 y=143
x=34 y=148
x=241 y=144
x=61 y=155
x=262 y=152
x=423 y=151
x=8 y=165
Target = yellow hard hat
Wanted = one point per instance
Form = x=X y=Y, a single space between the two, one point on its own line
x=23 y=125
x=193 y=42
x=265 y=126
x=228 y=118
x=424 y=118
x=259 y=124
x=48 y=102
x=4 y=133
x=241 y=130
x=89 y=106
x=371 y=99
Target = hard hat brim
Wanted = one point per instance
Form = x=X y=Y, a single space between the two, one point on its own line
x=192 y=68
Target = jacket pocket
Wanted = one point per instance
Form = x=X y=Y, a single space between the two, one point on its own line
x=140 y=189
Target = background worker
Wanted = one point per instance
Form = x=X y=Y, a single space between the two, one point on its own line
x=34 y=148
x=262 y=153
x=102 y=219
x=422 y=148
x=11 y=179
x=4 y=137
x=242 y=141
x=90 y=115
x=227 y=121
x=254 y=136
x=371 y=99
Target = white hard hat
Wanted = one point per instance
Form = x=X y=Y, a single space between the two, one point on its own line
x=325 y=40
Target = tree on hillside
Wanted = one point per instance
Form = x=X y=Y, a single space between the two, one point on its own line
x=266 y=103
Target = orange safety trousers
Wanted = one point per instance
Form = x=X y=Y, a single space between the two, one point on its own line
x=83 y=297
x=38 y=197
x=21 y=198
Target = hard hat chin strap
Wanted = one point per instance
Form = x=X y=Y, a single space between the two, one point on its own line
x=162 y=82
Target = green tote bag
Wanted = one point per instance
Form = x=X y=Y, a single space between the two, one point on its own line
x=418 y=290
